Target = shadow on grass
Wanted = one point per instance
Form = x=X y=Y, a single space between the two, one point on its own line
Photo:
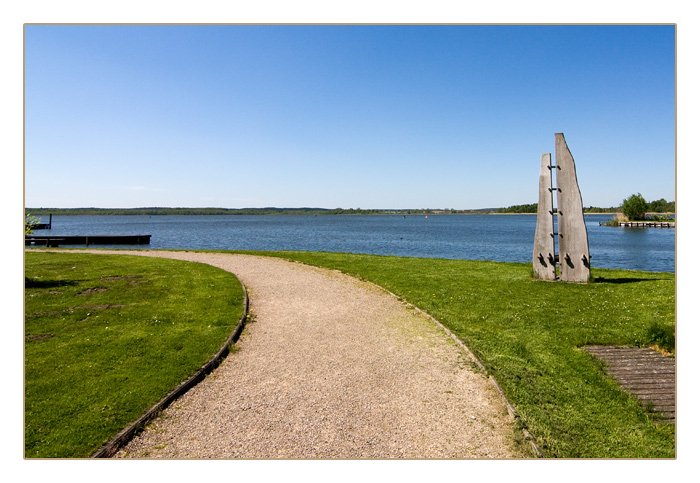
x=29 y=283
x=624 y=280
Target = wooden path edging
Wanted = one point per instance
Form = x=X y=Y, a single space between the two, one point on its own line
x=121 y=439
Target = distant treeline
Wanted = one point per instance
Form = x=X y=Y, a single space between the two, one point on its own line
x=175 y=211
x=658 y=206
x=532 y=208
x=661 y=206
x=245 y=211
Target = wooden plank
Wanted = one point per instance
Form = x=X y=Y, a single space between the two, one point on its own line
x=664 y=409
x=633 y=388
x=633 y=357
x=646 y=371
x=660 y=392
x=639 y=364
x=650 y=365
x=642 y=371
x=659 y=403
x=670 y=411
x=648 y=381
x=620 y=349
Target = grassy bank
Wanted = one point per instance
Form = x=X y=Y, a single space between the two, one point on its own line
x=529 y=333
x=107 y=336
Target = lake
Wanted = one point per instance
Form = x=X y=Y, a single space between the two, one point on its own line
x=507 y=238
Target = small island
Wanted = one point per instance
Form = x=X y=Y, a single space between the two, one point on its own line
x=635 y=212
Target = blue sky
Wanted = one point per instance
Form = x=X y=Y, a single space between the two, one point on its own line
x=343 y=116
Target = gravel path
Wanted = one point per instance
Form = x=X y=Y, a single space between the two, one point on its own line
x=332 y=367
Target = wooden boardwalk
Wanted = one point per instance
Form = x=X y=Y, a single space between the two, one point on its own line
x=643 y=372
x=54 y=241
x=648 y=224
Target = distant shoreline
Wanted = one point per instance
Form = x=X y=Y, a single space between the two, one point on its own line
x=157 y=211
x=248 y=211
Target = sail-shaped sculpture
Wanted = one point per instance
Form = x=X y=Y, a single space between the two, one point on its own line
x=571 y=235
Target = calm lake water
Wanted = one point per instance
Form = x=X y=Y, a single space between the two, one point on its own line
x=507 y=238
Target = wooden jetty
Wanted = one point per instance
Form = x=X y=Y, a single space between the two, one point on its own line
x=43 y=226
x=647 y=374
x=54 y=241
x=646 y=224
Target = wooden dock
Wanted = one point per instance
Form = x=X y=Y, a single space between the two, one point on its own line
x=43 y=226
x=645 y=373
x=54 y=241
x=647 y=224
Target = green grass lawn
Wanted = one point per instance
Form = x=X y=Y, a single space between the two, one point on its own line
x=528 y=334
x=107 y=336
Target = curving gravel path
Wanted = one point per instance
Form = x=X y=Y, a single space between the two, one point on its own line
x=332 y=367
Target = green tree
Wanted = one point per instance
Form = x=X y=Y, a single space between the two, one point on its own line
x=634 y=207
x=662 y=206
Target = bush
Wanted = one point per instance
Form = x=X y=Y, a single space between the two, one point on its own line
x=29 y=223
x=612 y=222
x=634 y=207
x=661 y=335
x=660 y=218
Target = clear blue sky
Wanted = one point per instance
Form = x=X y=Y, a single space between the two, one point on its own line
x=343 y=116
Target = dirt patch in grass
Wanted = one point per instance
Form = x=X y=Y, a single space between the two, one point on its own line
x=103 y=306
x=93 y=290
x=39 y=336
x=122 y=277
x=40 y=314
